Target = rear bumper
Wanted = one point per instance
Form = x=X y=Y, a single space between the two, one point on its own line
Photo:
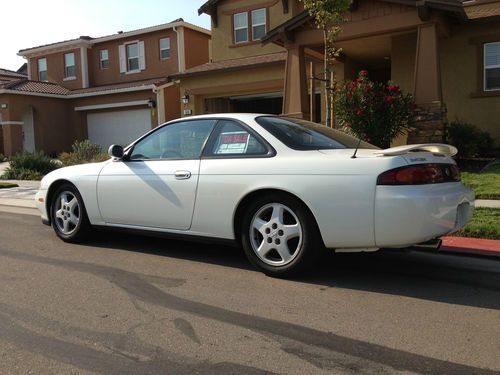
x=407 y=215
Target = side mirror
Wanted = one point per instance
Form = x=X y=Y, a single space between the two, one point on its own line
x=115 y=151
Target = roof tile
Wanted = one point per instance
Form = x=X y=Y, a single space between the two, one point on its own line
x=234 y=64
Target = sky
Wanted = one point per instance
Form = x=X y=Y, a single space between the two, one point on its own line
x=30 y=23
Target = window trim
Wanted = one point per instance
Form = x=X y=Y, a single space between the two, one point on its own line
x=259 y=24
x=271 y=152
x=101 y=59
x=66 y=76
x=241 y=28
x=165 y=49
x=40 y=71
x=485 y=68
x=127 y=58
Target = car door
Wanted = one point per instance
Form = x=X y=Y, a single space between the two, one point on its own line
x=155 y=184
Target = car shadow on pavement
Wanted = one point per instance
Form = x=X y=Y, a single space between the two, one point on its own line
x=453 y=279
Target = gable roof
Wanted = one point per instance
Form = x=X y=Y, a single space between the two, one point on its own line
x=26 y=85
x=11 y=73
x=233 y=64
x=39 y=88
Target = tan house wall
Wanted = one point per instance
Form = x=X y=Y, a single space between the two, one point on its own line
x=196 y=48
x=403 y=61
x=223 y=46
x=52 y=128
x=55 y=68
x=460 y=67
x=155 y=67
x=222 y=84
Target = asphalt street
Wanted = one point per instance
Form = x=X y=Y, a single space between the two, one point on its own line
x=124 y=304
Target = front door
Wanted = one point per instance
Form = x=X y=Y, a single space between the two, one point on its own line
x=28 y=131
x=156 y=185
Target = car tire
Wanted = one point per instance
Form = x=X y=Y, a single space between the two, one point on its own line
x=280 y=237
x=68 y=214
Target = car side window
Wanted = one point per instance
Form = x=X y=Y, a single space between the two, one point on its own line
x=231 y=138
x=180 y=140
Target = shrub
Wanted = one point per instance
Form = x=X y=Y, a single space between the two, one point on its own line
x=21 y=174
x=3 y=158
x=83 y=152
x=375 y=112
x=471 y=141
x=37 y=161
x=29 y=166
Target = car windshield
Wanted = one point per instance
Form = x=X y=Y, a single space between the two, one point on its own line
x=305 y=135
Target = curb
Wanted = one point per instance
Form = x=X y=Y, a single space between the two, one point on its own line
x=472 y=246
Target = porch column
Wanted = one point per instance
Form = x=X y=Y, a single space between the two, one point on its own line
x=295 y=102
x=427 y=74
x=431 y=114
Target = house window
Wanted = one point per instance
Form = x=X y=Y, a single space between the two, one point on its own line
x=164 y=48
x=258 y=23
x=103 y=59
x=241 y=27
x=492 y=66
x=69 y=65
x=132 y=57
x=42 y=69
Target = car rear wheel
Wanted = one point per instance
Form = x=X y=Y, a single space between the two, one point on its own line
x=69 y=218
x=279 y=236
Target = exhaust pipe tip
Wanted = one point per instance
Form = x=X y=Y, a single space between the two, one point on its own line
x=434 y=244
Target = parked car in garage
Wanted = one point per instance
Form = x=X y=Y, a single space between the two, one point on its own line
x=283 y=188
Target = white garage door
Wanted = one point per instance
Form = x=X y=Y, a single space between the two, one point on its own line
x=118 y=127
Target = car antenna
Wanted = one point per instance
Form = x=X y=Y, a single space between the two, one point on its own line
x=356 y=151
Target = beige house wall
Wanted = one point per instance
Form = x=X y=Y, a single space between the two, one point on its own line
x=460 y=67
x=224 y=48
x=223 y=84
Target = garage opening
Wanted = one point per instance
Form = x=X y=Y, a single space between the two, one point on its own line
x=117 y=127
x=271 y=103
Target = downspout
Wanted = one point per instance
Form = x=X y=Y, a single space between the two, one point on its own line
x=181 y=61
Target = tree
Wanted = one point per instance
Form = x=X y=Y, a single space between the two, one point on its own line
x=328 y=15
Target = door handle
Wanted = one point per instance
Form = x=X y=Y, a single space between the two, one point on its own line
x=182 y=175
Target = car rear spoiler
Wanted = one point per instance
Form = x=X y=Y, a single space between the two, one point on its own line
x=435 y=148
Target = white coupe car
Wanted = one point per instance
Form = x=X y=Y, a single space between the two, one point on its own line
x=284 y=188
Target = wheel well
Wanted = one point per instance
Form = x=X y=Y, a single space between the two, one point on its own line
x=244 y=203
x=50 y=194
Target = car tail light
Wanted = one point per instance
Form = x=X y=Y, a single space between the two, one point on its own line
x=420 y=174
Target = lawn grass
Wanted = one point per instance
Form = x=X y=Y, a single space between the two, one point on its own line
x=485 y=223
x=486 y=185
x=6 y=185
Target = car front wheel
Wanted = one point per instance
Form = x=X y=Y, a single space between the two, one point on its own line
x=69 y=218
x=280 y=236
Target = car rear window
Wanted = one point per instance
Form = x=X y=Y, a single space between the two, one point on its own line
x=305 y=135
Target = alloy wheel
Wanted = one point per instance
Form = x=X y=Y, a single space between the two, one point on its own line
x=276 y=234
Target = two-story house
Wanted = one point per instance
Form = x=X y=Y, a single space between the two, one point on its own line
x=445 y=53
x=242 y=75
x=105 y=89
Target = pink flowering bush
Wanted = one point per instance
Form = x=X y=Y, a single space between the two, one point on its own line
x=375 y=112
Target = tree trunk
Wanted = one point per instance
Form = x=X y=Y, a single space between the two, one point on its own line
x=327 y=77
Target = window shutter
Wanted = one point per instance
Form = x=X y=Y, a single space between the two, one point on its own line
x=142 y=56
x=123 y=58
